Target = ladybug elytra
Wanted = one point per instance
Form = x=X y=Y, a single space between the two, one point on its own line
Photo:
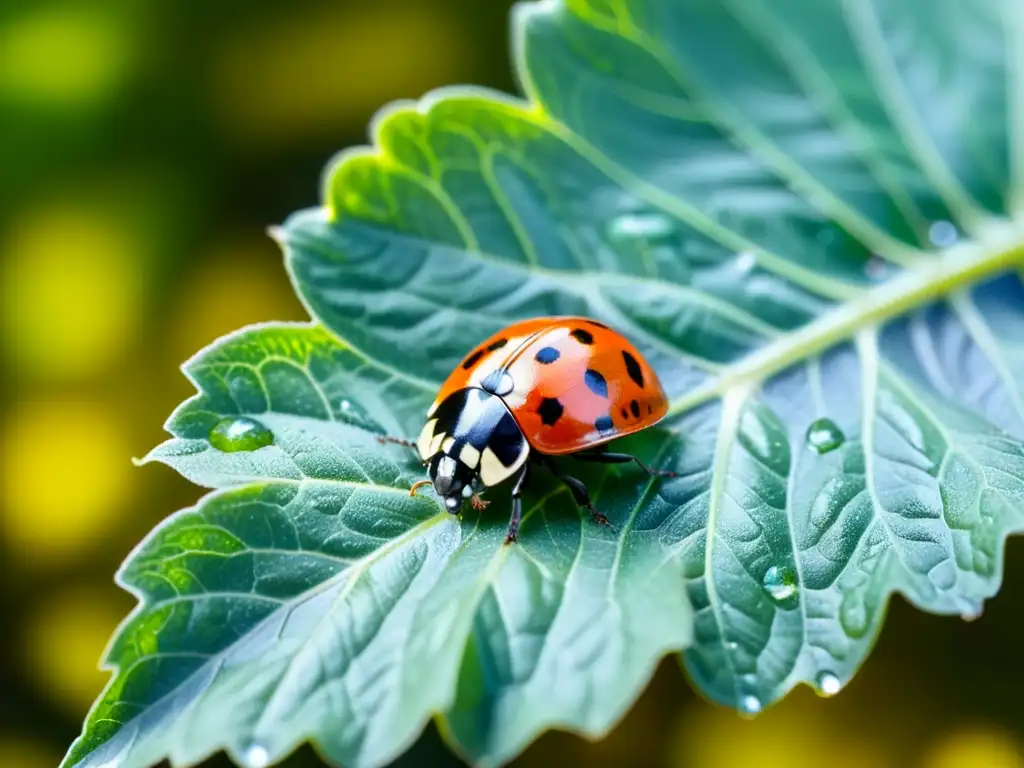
x=537 y=389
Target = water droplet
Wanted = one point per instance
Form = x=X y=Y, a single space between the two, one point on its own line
x=731 y=645
x=779 y=583
x=828 y=684
x=853 y=615
x=344 y=406
x=642 y=225
x=943 y=234
x=256 y=756
x=745 y=261
x=973 y=614
x=826 y=236
x=878 y=269
x=828 y=503
x=824 y=435
x=750 y=705
x=240 y=433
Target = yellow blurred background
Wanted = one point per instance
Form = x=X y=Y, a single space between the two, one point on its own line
x=145 y=145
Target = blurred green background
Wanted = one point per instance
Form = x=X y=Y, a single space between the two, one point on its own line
x=145 y=145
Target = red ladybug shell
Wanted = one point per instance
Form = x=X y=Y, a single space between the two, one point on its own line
x=569 y=382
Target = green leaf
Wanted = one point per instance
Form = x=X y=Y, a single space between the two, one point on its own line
x=311 y=590
x=806 y=214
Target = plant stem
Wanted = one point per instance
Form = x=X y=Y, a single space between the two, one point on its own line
x=916 y=287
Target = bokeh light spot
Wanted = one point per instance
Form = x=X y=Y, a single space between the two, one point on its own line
x=796 y=732
x=64 y=473
x=63 y=644
x=309 y=73
x=71 y=293
x=62 y=56
x=979 y=746
x=238 y=281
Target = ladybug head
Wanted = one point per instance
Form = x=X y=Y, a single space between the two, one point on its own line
x=452 y=479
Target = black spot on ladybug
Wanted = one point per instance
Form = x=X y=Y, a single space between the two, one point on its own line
x=547 y=355
x=650 y=408
x=633 y=369
x=635 y=408
x=599 y=325
x=497 y=382
x=582 y=336
x=496 y=344
x=472 y=359
x=604 y=424
x=625 y=413
x=506 y=441
x=550 y=411
x=596 y=383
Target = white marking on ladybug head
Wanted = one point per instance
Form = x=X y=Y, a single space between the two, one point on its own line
x=492 y=471
x=425 y=438
x=469 y=455
x=444 y=477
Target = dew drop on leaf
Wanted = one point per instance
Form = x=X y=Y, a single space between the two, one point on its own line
x=823 y=507
x=239 y=433
x=878 y=269
x=745 y=261
x=779 y=583
x=943 y=234
x=352 y=413
x=828 y=684
x=256 y=756
x=973 y=613
x=853 y=615
x=750 y=705
x=826 y=236
x=629 y=226
x=824 y=435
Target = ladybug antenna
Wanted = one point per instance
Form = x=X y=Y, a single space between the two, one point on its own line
x=418 y=484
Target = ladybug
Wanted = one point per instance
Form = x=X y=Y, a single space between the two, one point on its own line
x=539 y=388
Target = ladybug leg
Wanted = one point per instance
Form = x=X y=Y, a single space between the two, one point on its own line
x=622 y=458
x=517 y=506
x=579 y=492
x=581 y=496
x=418 y=484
